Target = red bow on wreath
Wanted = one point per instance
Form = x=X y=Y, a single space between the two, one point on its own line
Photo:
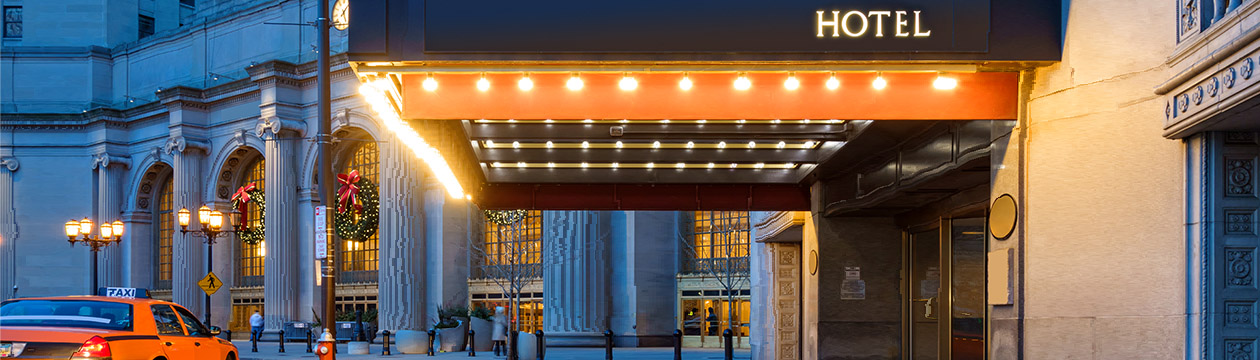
x=348 y=192
x=242 y=194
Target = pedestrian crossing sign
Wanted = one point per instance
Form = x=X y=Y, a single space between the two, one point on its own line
x=210 y=284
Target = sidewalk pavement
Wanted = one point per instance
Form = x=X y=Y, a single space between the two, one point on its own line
x=271 y=351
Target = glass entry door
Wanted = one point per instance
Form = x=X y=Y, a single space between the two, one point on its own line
x=945 y=307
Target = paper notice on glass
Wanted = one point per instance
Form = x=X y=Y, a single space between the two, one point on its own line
x=853 y=289
x=852 y=272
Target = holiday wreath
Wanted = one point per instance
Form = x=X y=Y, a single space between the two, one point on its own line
x=358 y=207
x=244 y=195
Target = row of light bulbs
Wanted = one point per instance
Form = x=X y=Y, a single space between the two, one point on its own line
x=742 y=83
x=490 y=144
x=648 y=165
x=662 y=121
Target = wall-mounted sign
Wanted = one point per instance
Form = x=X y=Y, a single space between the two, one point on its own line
x=1003 y=215
x=498 y=30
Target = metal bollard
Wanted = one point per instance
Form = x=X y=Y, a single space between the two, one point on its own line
x=385 y=343
x=730 y=350
x=282 y=340
x=253 y=340
x=608 y=345
x=358 y=321
x=308 y=339
x=430 y=352
x=677 y=344
x=542 y=344
x=471 y=342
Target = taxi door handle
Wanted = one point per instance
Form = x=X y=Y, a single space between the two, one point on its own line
x=197 y=343
x=168 y=343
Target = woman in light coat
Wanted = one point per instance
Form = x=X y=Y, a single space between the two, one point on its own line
x=500 y=330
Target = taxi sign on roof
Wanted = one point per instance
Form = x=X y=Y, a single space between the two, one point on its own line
x=121 y=292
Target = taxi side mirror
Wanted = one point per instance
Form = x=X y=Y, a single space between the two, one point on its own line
x=215 y=331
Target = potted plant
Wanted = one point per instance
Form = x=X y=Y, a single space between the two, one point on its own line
x=482 y=323
x=451 y=330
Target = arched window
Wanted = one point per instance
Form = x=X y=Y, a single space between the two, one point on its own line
x=360 y=259
x=249 y=258
x=162 y=253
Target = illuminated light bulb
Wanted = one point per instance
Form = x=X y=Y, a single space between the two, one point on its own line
x=468 y=197
x=691 y=144
x=625 y=121
x=483 y=84
x=574 y=83
x=586 y=144
x=789 y=165
x=791 y=83
x=782 y=144
x=585 y=165
x=651 y=165
x=685 y=83
x=430 y=84
x=776 y=121
x=879 y=83
x=489 y=143
x=520 y=164
x=525 y=83
x=752 y=144
x=809 y=144
x=551 y=164
x=711 y=165
x=516 y=144
x=804 y=121
x=733 y=165
x=656 y=144
x=760 y=165
x=619 y=144
x=549 y=121
x=742 y=83
x=615 y=165
x=628 y=83
x=550 y=144
x=721 y=144
x=588 y=121
x=664 y=121
x=512 y=120
x=497 y=164
x=680 y=165
x=741 y=121
x=833 y=83
x=944 y=82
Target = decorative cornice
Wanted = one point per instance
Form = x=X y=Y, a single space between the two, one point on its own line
x=10 y=163
x=271 y=126
x=182 y=144
x=777 y=222
x=104 y=160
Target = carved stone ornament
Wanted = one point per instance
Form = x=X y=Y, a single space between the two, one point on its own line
x=1238 y=176
x=270 y=127
x=182 y=144
x=1197 y=95
x=1183 y=103
x=1188 y=12
x=10 y=163
x=1247 y=67
x=1238 y=266
x=1239 y=349
x=1228 y=77
x=1167 y=110
x=105 y=160
x=1213 y=86
x=144 y=203
x=1239 y=314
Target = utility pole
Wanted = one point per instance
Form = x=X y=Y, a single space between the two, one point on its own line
x=323 y=139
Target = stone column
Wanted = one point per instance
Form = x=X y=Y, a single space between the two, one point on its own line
x=446 y=226
x=401 y=290
x=280 y=273
x=188 y=262
x=138 y=247
x=8 y=228
x=575 y=277
x=109 y=170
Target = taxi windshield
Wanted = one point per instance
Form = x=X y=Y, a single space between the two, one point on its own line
x=66 y=313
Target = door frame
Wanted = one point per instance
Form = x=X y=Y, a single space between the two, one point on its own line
x=944 y=227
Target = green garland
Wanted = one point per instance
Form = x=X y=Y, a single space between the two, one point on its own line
x=253 y=234
x=369 y=215
x=505 y=217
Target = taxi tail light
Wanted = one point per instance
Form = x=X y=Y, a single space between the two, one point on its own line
x=96 y=347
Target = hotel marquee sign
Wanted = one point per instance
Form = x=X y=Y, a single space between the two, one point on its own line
x=869 y=29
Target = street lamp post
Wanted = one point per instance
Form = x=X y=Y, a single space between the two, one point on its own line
x=109 y=234
x=211 y=227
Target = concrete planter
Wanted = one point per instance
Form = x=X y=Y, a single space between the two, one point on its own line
x=411 y=341
x=452 y=339
x=357 y=347
x=527 y=346
x=484 y=330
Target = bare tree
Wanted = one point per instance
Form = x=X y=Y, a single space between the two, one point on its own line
x=509 y=266
x=724 y=258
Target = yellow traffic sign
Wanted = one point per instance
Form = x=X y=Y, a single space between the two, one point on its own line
x=210 y=284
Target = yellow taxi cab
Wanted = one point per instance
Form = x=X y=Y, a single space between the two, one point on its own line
x=117 y=324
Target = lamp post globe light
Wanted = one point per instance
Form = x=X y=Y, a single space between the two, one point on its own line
x=211 y=227
x=80 y=231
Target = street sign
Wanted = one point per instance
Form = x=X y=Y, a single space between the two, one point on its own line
x=321 y=232
x=210 y=284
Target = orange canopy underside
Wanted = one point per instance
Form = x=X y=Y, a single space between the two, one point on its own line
x=908 y=96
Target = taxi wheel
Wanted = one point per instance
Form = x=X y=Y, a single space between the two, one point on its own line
x=231 y=356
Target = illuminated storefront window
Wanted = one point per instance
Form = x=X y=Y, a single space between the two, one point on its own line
x=249 y=257
x=165 y=231
x=501 y=248
x=714 y=284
